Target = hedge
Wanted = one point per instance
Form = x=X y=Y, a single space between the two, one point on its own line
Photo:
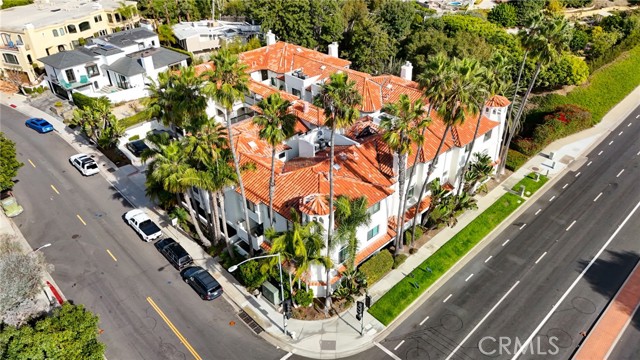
x=405 y=292
x=135 y=119
x=83 y=101
x=399 y=260
x=377 y=267
x=515 y=159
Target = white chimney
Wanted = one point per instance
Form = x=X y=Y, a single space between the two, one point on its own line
x=305 y=107
x=406 y=71
x=271 y=38
x=147 y=62
x=333 y=49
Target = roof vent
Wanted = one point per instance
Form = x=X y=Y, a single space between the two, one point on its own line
x=336 y=167
x=253 y=145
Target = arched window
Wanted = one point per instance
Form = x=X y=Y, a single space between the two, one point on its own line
x=72 y=29
x=55 y=33
x=20 y=40
x=84 y=26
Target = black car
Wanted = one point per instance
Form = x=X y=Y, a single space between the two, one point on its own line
x=202 y=282
x=174 y=252
x=137 y=147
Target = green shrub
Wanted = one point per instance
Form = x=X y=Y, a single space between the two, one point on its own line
x=407 y=235
x=226 y=261
x=82 y=101
x=41 y=89
x=504 y=15
x=29 y=91
x=135 y=119
x=398 y=260
x=251 y=275
x=303 y=297
x=11 y=3
x=377 y=267
x=58 y=104
x=515 y=160
x=134 y=138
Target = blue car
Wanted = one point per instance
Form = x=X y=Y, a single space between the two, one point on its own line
x=40 y=125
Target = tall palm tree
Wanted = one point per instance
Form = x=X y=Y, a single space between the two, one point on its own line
x=547 y=44
x=170 y=166
x=227 y=84
x=454 y=94
x=127 y=12
x=402 y=129
x=340 y=99
x=276 y=125
x=350 y=215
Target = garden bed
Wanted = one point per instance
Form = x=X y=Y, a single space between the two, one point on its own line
x=116 y=156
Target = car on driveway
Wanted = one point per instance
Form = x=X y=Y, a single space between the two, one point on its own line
x=142 y=224
x=10 y=204
x=85 y=164
x=137 y=147
x=40 y=125
x=174 y=252
x=202 y=282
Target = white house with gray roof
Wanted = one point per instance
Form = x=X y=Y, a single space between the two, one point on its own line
x=117 y=66
x=205 y=35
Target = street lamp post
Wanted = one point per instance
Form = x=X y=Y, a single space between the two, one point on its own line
x=41 y=247
x=284 y=316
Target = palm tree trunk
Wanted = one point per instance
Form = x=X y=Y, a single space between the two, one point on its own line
x=331 y=217
x=236 y=164
x=214 y=223
x=400 y=220
x=195 y=220
x=515 y=121
x=224 y=227
x=413 y=170
x=473 y=143
x=432 y=167
x=515 y=92
x=272 y=184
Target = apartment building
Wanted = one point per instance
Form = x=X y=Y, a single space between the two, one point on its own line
x=206 y=35
x=47 y=27
x=364 y=165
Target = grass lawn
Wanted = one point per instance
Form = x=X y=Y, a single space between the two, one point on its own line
x=530 y=184
x=405 y=292
x=135 y=119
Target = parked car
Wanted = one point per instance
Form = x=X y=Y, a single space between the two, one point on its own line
x=10 y=204
x=143 y=225
x=174 y=252
x=202 y=282
x=85 y=164
x=40 y=125
x=137 y=147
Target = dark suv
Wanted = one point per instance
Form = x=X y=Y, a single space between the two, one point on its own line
x=174 y=252
x=202 y=282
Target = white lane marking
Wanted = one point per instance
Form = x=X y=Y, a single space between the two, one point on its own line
x=447 y=299
x=578 y=174
x=489 y=258
x=620 y=173
x=638 y=153
x=637 y=116
x=522 y=227
x=541 y=256
x=397 y=346
x=600 y=153
x=565 y=186
x=610 y=142
x=286 y=356
x=589 y=164
x=468 y=277
x=597 y=197
x=393 y=356
x=629 y=124
x=538 y=212
x=483 y=320
x=505 y=243
x=525 y=346
x=424 y=320
x=620 y=133
x=570 y=225
x=553 y=197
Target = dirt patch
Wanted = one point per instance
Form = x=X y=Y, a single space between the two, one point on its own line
x=116 y=156
x=316 y=310
x=7 y=87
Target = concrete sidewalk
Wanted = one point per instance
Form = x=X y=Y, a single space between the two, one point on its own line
x=340 y=336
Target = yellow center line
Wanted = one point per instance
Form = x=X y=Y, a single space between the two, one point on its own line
x=113 y=257
x=31 y=162
x=54 y=189
x=79 y=218
x=173 y=328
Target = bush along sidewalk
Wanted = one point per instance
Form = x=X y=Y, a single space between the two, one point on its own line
x=405 y=292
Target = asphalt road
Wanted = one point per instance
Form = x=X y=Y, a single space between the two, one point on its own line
x=100 y=262
x=517 y=288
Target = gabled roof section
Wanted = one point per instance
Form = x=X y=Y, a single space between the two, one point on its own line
x=67 y=59
x=283 y=57
x=127 y=37
x=126 y=66
x=498 y=101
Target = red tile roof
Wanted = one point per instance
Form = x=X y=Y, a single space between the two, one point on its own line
x=283 y=57
x=315 y=204
x=498 y=101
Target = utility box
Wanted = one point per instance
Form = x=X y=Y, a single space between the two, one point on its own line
x=271 y=293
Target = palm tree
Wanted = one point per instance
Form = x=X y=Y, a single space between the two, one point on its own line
x=170 y=166
x=350 y=215
x=340 y=99
x=276 y=125
x=402 y=129
x=546 y=45
x=127 y=12
x=227 y=84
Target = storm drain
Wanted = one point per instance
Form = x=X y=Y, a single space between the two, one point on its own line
x=250 y=322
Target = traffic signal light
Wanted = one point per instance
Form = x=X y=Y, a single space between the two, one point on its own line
x=287 y=308
x=367 y=301
x=359 y=310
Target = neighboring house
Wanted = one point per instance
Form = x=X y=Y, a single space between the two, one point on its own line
x=364 y=165
x=207 y=35
x=45 y=28
x=116 y=66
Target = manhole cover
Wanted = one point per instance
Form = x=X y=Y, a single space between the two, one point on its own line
x=561 y=338
x=75 y=236
x=451 y=323
x=535 y=168
x=327 y=344
x=583 y=305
